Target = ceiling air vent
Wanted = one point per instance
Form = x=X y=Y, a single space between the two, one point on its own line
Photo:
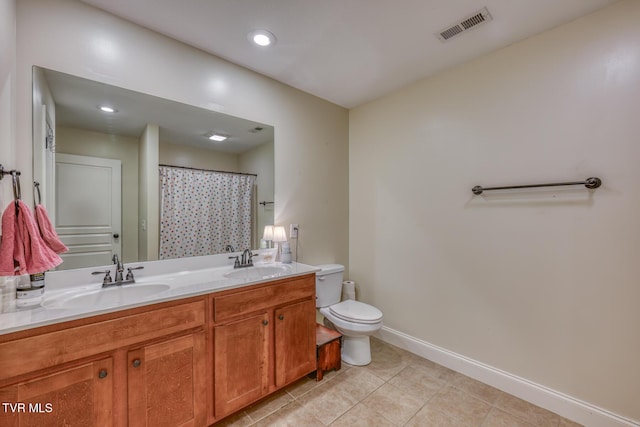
x=256 y=129
x=465 y=24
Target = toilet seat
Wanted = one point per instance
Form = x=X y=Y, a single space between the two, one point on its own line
x=356 y=312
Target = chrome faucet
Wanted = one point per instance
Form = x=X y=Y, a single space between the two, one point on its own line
x=244 y=260
x=246 y=257
x=107 y=281
x=119 y=267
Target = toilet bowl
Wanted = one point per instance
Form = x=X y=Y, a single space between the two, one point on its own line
x=355 y=320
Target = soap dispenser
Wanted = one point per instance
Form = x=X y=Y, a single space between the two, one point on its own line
x=285 y=256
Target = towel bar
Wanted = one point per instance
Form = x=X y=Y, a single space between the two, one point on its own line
x=4 y=172
x=592 y=182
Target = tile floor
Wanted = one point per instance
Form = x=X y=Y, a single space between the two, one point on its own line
x=396 y=389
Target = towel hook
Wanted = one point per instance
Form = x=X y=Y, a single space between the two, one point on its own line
x=17 y=193
x=36 y=184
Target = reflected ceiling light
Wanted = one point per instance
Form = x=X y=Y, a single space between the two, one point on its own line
x=218 y=137
x=262 y=38
x=107 y=109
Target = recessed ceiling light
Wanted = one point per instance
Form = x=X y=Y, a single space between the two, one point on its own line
x=107 y=109
x=218 y=137
x=262 y=38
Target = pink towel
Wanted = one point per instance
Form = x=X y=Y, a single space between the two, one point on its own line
x=47 y=231
x=7 y=245
x=22 y=250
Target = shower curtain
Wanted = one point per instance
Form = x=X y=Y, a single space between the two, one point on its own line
x=201 y=212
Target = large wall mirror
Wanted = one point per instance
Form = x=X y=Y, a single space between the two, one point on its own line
x=149 y=180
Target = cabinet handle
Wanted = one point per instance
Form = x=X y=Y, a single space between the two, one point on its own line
x=281 y=317
x=136 y=363
x=265 y=322
x=102 y=373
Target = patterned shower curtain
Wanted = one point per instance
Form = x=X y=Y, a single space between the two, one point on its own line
x=201 y=212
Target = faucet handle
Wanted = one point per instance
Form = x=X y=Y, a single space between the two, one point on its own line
x=107 y=276
x=130 y=273
x=236 y=264
x=251 y=256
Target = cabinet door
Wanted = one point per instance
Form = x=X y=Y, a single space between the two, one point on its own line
x=76 y=397
x=241 y=357
x=295 y=348
x=167 y=383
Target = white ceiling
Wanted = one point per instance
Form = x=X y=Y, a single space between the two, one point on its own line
x=347 y=51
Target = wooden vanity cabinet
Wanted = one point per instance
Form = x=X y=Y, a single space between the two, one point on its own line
x=188 y=362
x=241 y=360
x=295 y=341
x=166 y=383
x=263 y=339
x=79 y=396
x=144 y=366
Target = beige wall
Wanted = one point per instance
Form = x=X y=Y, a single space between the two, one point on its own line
x=7 y=92
x=541 y=284
x=125 y=149
x=311 y=151
x=149 y=194
x=259 y=161
x=7 y=98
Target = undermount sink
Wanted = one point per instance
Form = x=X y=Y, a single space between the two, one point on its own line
x=256 y=273
x=107 y=297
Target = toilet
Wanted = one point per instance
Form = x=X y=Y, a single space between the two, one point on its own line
x=355 y=320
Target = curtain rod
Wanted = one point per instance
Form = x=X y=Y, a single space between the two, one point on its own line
x=208 y=170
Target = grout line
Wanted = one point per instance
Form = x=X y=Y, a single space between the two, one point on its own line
x=444 y=382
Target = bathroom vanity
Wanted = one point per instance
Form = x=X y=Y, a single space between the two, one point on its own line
x=263 y=339
x=189 y=356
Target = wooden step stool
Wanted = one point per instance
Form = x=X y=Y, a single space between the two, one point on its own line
x=328 y=350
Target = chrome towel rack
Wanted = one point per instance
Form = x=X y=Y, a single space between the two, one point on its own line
x=593 y=182
x=4 y=172
x=15 y=175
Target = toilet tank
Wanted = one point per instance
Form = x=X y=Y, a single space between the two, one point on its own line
x=329 y=284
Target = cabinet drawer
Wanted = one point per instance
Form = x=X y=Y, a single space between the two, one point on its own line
x=30 y=354
x=243 y=302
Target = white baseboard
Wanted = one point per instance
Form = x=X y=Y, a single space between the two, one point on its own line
x=554 y=401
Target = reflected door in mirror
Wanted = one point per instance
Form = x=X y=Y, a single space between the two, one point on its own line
x=88 y=211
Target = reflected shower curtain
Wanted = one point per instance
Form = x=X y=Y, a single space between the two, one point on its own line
x=201 y=212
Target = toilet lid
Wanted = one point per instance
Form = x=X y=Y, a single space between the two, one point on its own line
x=356 y=311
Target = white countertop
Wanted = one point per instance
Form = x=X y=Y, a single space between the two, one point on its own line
x=185 y=278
